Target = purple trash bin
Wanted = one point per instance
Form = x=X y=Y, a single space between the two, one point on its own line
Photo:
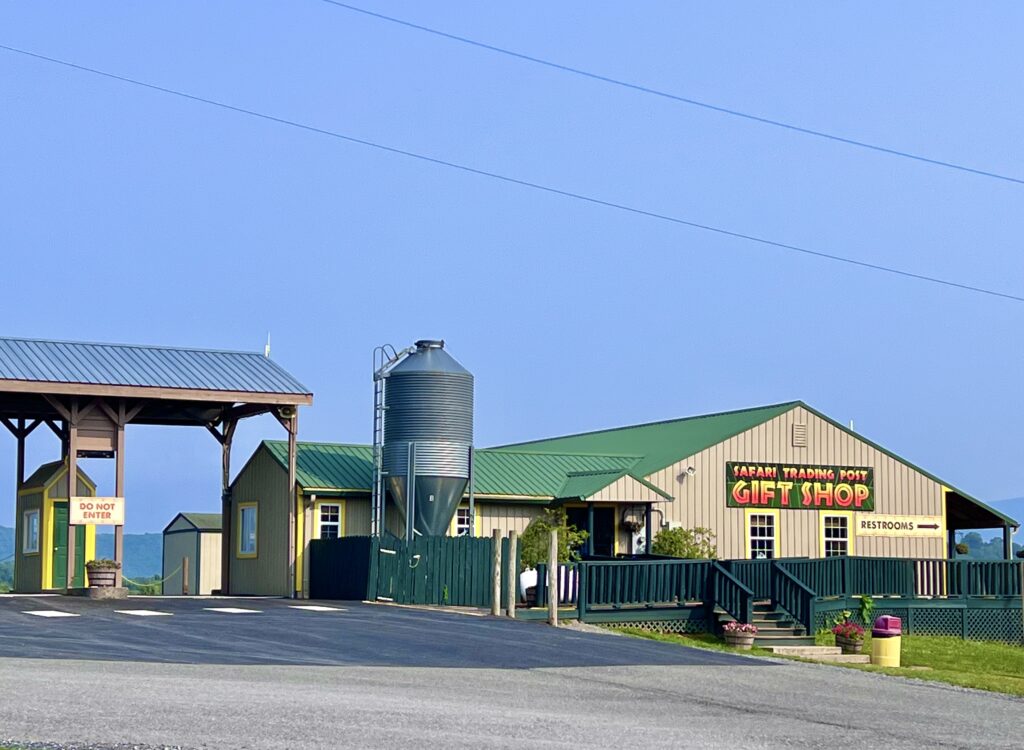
x=887 y=626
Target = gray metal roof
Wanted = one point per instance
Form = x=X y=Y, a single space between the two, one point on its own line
x=37 y=360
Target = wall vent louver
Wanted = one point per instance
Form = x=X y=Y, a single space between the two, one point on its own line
x=799 y=436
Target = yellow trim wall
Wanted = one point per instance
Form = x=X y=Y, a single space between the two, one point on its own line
x=850 y=529
x=747 y=513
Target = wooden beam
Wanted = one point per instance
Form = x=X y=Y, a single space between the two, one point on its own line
x=213 y=431
x=87 y=409
x=57 y=406
x=226 y=545
x=113 y=415
x=28 y=430
x=11 y=427
x=244 y=410
x=293 y=429
x=72 y=487
x=45 y=389
x=130 y=414
x=58 y=431
x=119 y=492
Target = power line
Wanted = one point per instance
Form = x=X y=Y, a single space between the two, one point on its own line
x=517 y=181
x=676 y=97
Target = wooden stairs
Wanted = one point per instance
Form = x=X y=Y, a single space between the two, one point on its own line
x=774 y=627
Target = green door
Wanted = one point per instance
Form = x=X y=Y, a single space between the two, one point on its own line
x=60 y=549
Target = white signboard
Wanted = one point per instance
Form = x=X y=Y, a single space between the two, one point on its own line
x=875 y=524
x=92 y=511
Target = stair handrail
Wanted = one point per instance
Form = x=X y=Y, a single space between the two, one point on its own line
x=794 y=597
x=727 y=592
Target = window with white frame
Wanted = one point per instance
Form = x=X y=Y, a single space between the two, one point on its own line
x=762 y=536
x=463 y=523
x=247 y=530
x=30 y=532
x=330 y=521
x=837 y=535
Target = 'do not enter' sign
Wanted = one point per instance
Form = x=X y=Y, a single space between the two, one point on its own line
x=86 y=511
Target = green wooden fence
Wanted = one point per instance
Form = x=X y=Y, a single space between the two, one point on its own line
x=428 y=570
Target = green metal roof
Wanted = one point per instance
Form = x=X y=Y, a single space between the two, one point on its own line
x=45 y=474
x=203 y=521
x=333 y=466
x=659 y=444
x=583 y=484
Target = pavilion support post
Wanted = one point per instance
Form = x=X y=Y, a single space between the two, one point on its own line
x=648 y=520
x=72 y=432
x=119 y=492
x=1007 y=542
x=291 y=424
x=21 y=452
x=224 y=438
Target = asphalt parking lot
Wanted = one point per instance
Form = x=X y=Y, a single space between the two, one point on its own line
x=277 y=631
x=358 y=675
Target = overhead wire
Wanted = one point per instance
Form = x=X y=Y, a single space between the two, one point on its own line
x=523 y=183
x=678 y=98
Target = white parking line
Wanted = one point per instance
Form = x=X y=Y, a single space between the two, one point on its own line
x=143 y=612
x=50 y=613
x=233 y=610
x=316 y=608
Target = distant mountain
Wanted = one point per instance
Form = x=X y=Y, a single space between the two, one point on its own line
x=143 y=553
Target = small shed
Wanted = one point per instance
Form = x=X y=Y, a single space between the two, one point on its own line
x=194 y=537
x=41 y=531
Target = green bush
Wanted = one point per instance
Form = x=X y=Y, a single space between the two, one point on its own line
x=692 y=544
x=534 y=542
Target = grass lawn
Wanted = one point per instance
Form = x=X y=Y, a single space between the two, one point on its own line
x=985 y=665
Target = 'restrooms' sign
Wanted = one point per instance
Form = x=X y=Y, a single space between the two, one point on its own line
x=799 y=486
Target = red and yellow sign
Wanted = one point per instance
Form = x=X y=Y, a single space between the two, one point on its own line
x=799 y=486
x=97 y=511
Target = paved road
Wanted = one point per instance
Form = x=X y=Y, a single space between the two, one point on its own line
x=368 y=676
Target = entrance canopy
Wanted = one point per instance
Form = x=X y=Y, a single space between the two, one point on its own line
x=86 y=393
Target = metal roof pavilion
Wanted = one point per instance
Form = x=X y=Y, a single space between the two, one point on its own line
x=87 y=393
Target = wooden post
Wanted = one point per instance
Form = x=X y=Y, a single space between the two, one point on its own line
x=21 y=453
x=1022 y=602
x=512 y=584
x=184 y=576
x=119 y=492
x=553 y=579
x=225 y=504
x=293 y=430
x=590 y=528
x=648 y=522
x=72 y=487
x=496 y=573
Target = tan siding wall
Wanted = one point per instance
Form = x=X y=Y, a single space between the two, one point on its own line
x=357 y=517
x=177 y=547
x=700 y=499
x=28 y=569
x=505 y=517
x=209 y=562
x=262 y=481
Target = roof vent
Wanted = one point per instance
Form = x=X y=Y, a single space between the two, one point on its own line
x=799 y=436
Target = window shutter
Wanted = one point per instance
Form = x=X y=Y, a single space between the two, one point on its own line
x=799 y=436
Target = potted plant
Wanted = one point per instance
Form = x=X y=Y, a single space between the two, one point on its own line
x=102 y=573
x=962 y=548
x=849 y=637
x=739 y=634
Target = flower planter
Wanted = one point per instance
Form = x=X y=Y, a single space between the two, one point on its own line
x=102 y=578
x=849 y=645
x=743 y=641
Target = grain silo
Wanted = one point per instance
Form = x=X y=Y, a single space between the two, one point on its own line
x=424 y=435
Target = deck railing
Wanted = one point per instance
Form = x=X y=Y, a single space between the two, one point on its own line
x=729 y=593
x=793 y=596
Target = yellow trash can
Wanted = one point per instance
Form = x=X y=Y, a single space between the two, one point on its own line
x=886 y=641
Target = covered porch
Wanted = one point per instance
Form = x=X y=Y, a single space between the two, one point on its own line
x=965 y=513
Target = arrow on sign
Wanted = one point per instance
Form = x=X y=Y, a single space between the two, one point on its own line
x=927 y=526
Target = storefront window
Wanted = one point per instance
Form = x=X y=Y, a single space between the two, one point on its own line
x=837 y=536
x=330 y=521
x=762 y=536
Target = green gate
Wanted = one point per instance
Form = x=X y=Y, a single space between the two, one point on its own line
x=452 y=571
x=60 y=549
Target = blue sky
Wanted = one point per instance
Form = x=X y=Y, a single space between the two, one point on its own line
x=131 y=216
